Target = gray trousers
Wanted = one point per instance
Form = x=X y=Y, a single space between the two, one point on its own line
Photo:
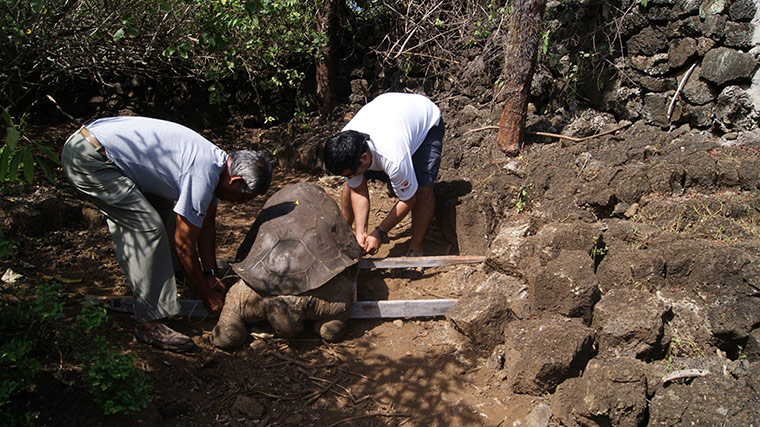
x=143 y=248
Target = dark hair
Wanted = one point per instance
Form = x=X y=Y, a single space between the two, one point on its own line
x=254 y=168
x=343 y=150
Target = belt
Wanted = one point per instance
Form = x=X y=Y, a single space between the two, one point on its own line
x=92 y=140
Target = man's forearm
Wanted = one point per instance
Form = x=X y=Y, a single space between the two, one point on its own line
x=360 y=206
x=399 y=211
x=207 y=240
x=185 y=243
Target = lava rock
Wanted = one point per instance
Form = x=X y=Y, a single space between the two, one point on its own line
x=541 y=353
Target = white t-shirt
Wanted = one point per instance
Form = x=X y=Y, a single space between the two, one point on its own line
x=165 y=159
x=397 y=124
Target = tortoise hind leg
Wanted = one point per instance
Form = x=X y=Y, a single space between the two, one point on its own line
x=330 y=306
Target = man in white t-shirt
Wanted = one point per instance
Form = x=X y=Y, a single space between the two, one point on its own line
x=399 y=135
x=151 y=178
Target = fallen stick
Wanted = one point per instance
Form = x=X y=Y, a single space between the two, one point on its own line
x=680 y=87
x=376 y=414
x=555 y=135
x=685 y=373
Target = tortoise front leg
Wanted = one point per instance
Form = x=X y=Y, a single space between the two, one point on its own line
x=242 y=304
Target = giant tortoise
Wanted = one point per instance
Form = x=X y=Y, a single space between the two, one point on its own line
x=298 y=262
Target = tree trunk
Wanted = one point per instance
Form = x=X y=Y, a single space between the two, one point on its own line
x=521 y=47
x=327 y=14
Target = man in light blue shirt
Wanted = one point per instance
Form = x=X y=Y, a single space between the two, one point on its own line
x=142 y=173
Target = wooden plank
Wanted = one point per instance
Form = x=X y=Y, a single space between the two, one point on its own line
x=403 y=262
x=422 y=261
x=359 y=310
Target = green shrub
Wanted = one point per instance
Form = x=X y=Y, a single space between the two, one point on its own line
x=20 y=154
x=35 y=337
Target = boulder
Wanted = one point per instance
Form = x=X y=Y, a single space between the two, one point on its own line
x=541 y=353
x=539 y=416
x=712 y=7
x=714 y=27
x=481 y=317
x=652 y=65
x=513 y=289
x=748 y=176
x=610 y=393
x=732 y=317
x=742 y=10
x=667 y=178
x=625 y=101
x=713 y=400
x=681 y=50
x=688 y=7
x=722 y=65
x=567 y=285
x=697 y=91
x=704 y=44
x=735 y=110
x=589 y=122
x=649 y=41
x=738 y=35
x=630 y=322
x=752 y=349
x=654 y=84
x=505 y=252
x=690 y=26
x=700 y=116
x=655 y=110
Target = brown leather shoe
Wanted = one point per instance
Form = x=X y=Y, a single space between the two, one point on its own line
x=165 y=338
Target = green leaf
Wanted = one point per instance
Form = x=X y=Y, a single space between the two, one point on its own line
x=49 y=153
x=5 y=155
x=46 y=172
x=118 y=35
x=13 y=166
x=12 y=135
x=28 y=166
x=7 y=117
x=133 y=31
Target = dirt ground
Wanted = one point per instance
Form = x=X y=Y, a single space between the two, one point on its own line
x=385 y=372
x=418 y=372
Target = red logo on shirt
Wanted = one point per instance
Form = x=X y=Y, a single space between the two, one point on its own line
x=405 y=184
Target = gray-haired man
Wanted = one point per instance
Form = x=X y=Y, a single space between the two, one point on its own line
x=138 y=170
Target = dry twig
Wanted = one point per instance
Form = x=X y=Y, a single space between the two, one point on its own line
x=376 y=414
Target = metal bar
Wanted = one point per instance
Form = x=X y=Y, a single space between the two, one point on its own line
x=396 y=309
x=393 y=309
x=404 y=262
x=422 y=261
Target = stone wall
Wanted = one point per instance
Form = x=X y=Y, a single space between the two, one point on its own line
x=711 y=44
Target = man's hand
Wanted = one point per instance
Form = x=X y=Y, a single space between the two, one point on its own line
x=213 y=295
x=361 y=238
x=372 y=243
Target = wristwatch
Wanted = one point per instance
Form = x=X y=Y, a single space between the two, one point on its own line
x=383 y=234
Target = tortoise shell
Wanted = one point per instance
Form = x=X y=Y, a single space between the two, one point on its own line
x=299 y=242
